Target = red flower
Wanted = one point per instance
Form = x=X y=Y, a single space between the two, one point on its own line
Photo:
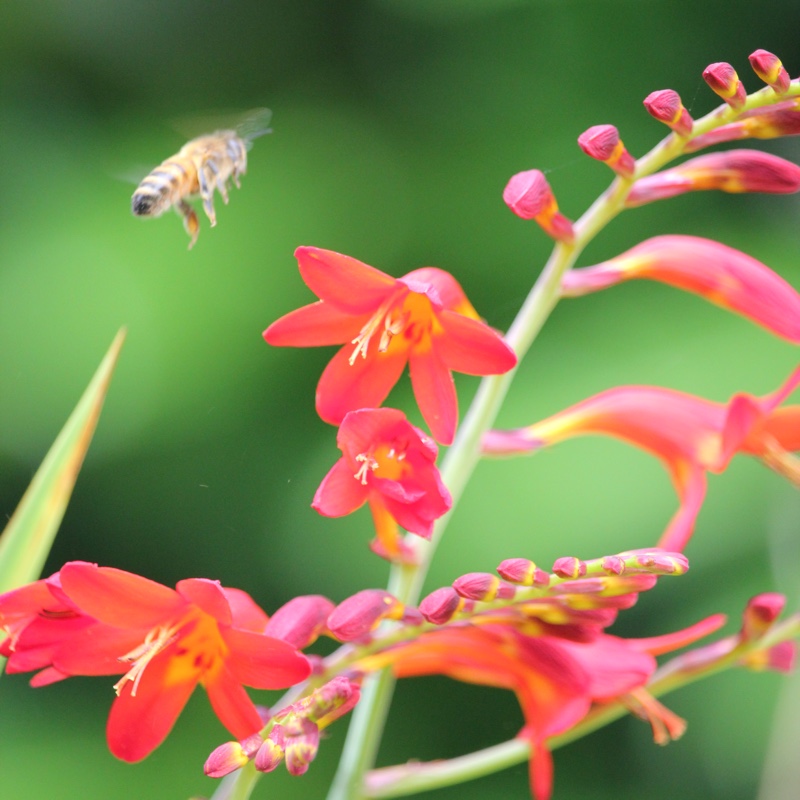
x=390 y=464
x=423 y=318
x=165 y=642
x=690 y=435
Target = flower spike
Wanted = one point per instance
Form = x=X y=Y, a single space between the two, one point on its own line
x=603 y=143
x=782 y=119
x=724 y=81
x=769 y=68
x=529 y=196
x=665 y=105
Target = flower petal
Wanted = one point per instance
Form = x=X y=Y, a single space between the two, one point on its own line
x=472 y=347
x=365 y=383
x=138 y=724
x=208 y=596
x=345 y=282
x=97 y=651
x=313 y=325
x=118 y=597
x=264 y=662
x=232 y=705
x=441 y=288
x=247 y=614
x=340 y=493
x=435 y=392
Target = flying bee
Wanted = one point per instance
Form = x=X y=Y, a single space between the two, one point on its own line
x=201 y=166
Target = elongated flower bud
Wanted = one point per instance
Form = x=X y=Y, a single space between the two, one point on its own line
x=760 y=614
x=300 y=621
x=724 y=81
x=768 y=67
x=441 y=605
x=225 y=759
x=529 y=196
x=730 y=171
x=603 y=143
x=782 y=119
x=666 y=106
x=523 y=572
x=569 y=567
x=359 y=614
x=483 y=586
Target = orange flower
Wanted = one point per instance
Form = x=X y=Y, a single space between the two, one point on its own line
x=423 y=319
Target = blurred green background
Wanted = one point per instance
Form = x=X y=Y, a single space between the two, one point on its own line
x=396 y=125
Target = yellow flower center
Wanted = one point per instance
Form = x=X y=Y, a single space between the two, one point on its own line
x=387 y=460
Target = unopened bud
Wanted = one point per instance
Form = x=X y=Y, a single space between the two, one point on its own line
x=657 y=563
x=569 y=567
x=613 y=565
x=359 y=614
x=301 y=744
x=666 y=106
x=760 y=614
x=225 y=759
x=603 y=143
x=768 y=67
x=782 y=119
x=483 y=586
x=529 y=196
x=441 y=605
x=271 y=753
x=300 y=621
x=724 y=81
x=523 y=572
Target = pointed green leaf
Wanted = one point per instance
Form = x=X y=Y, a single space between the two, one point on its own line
x=28 y=537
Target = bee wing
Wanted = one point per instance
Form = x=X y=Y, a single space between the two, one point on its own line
x=254 y=124
x=133 y=175
x=248 y=125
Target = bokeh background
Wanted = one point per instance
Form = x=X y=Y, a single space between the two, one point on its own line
x=396 y=125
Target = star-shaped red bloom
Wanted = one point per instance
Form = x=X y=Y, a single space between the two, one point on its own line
x=423 y=319
x=389 y=464
x=164 y=642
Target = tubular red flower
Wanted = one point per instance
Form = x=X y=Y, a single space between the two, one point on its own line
x=782 y=119
x=603 y=143
x=423 y=319
x=731 y=171
x=166 y=642
x=691 y=436
x=723 y=80
x=389 y=464
x=720 y=274
x=769 y=68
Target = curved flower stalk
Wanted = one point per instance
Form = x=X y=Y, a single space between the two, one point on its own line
x=90 y=620
x=689 y=435
x=422 y=319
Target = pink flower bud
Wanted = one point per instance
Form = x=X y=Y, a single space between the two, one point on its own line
x=271 y=753
x=613 y=565
x=359 y=614
x=603 y=143
x=760 y=613
x=301 y=743
x=529 y=196
x=523 y=572
x=768 y=67
x=225 y=759
x=730 y=171
x=483 y=586
x=300 y=621
x=782 y=119
x=666 y=106
x=724 y=81
x=441 y=605
x=569 y=567
x=657 y=563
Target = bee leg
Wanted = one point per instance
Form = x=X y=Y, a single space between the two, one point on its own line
x=190 y=222
x=205 y=180
x=219 y=182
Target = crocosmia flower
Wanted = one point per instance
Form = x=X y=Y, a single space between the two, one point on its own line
x=423 y=319
x=690 y=435
x=389 y=464
x=164 y=642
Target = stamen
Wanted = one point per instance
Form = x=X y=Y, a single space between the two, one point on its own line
x=155 y=641
x=390 y=328
x=367 y=463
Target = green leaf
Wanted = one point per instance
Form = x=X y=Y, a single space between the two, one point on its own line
x=29 y=535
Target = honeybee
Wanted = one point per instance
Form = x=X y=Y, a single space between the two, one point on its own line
x=201 y=166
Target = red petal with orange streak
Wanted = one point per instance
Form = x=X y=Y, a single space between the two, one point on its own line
x=441 y=288
x=472 y=347
x=264 y=662
x=345 y=282
x=690 y=483
x=658 y=645
x=137 y=725
x=247 y=614
x=435 y=392
x=232 y=705
x=364 y=384
x=315 y=325
x=784 y=425
x=118 y=597
x=340 y=493
x=97 y=650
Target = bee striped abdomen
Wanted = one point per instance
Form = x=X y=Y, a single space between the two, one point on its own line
x=164 y=186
